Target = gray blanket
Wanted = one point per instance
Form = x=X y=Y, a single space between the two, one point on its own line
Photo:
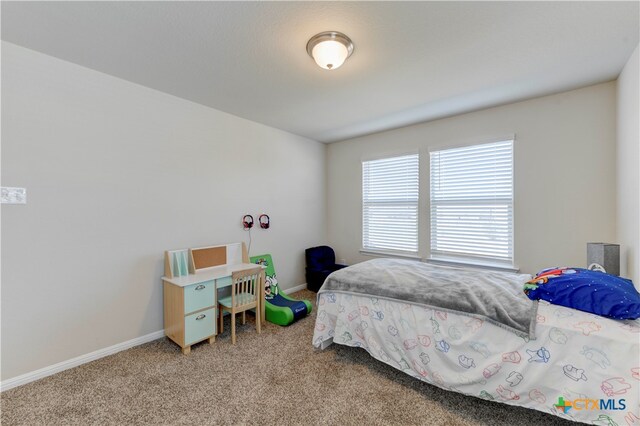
x=493 y=296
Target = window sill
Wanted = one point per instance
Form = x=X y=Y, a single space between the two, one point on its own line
x=478 y=264
x=383 y=253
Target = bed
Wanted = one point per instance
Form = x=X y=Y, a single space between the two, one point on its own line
x=568 y=356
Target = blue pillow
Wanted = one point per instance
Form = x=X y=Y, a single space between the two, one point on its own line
x=589 y=291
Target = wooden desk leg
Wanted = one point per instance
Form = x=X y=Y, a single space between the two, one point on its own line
x=262 y=300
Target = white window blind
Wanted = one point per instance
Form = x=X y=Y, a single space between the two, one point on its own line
x=472 y=203
x=390 y=204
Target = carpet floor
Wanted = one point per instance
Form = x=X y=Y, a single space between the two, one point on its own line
x=272 y=378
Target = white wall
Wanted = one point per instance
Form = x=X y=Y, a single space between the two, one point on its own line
x=628 y=166
x=117 y=173
x=564 y=173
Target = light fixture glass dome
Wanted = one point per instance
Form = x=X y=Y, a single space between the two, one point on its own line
x=330 y=49
x=330 y=54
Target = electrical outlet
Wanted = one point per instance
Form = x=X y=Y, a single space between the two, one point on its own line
x=10 y=195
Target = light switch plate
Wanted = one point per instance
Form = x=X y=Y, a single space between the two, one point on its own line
x=9 y=195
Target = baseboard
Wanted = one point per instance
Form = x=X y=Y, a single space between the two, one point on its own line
x=296 y=288
x=100 y=353
x=74 y=362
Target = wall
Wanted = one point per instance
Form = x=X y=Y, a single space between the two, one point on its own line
x=117 y=173
x=564 y=160
x=628 y=174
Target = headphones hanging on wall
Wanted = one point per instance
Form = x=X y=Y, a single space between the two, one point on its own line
x=247 y=221
x=264 y=221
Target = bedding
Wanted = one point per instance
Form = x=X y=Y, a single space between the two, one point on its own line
x=486 y=295
x=590 y=291
x=577 y=356
x=580 y=366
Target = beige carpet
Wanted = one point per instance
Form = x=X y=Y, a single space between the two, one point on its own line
x=272 y=378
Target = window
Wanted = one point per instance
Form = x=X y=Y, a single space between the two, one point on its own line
x=390 y=204
x=472 y=204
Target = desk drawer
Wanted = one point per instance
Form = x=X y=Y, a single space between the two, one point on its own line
x=199 y=326
x=223 y=282
x=199 y=296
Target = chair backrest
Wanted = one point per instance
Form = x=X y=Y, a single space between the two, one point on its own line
x=319 y=258
x=271 y=284
x=247 y=285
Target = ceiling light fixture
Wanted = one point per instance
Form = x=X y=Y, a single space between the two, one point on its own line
x=330 y=49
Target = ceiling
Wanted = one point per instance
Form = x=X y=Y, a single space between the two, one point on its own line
x=413 y=61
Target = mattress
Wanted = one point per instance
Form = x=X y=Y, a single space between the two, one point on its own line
x=576 y=360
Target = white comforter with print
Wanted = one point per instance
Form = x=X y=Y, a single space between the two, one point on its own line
x=575 y=355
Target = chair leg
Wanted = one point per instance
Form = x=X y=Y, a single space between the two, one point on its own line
x=244 y=317
x=233 y=328
x=258 y=320
x=221 y=320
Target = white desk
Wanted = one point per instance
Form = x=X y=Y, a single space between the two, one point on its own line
x=190 y=303
x=208 y=274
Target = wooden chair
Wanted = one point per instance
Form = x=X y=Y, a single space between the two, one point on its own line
x=246 y=288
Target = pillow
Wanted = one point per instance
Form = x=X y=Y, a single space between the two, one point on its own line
x=589 y=291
